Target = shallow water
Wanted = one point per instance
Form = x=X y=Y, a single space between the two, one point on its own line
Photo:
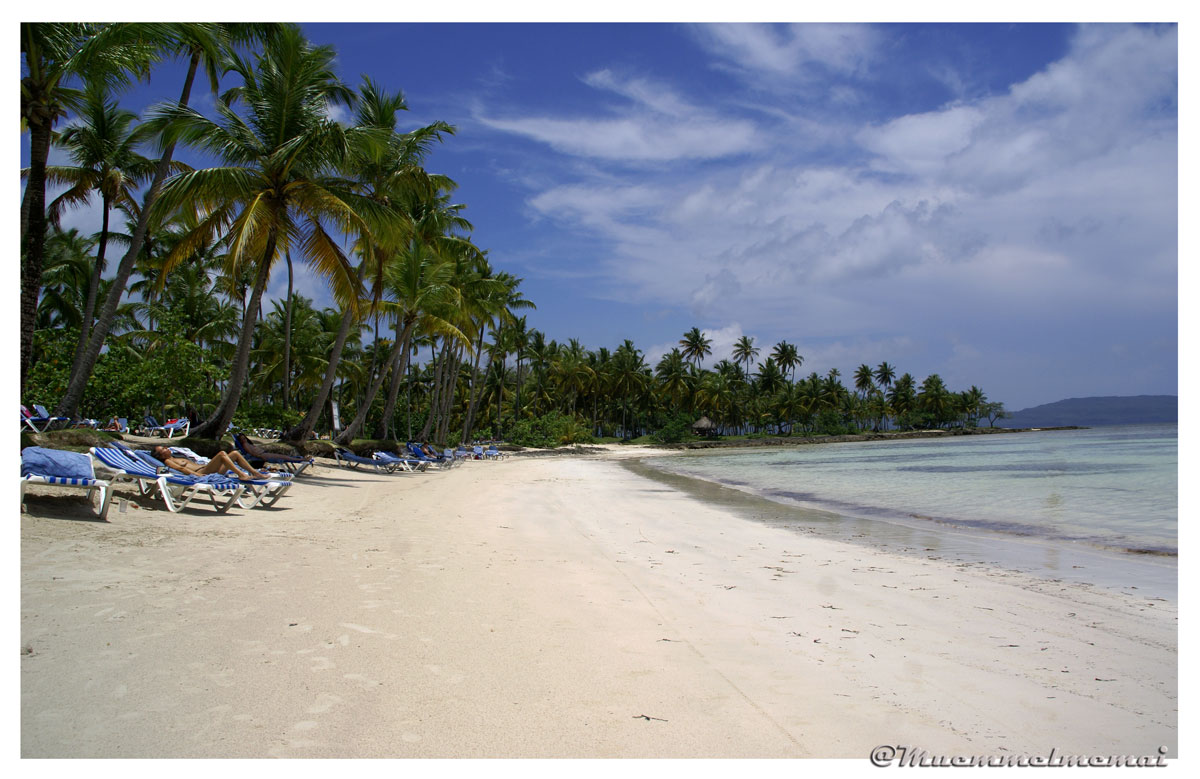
x=1103 y=501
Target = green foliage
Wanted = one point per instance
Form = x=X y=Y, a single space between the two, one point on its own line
x=250 y=415
x=171 y=380
x=832 y=423
x=549 y=431
x=678 y=428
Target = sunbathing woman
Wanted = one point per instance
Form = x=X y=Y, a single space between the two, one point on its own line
x=220 y=463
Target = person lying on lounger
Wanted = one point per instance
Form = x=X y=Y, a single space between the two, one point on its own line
x=220 y=463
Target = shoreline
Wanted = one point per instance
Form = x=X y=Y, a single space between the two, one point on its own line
x=784 y=441
x=555 y=607
x=1043 y=557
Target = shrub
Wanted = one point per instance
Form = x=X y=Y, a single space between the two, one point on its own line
x=677 y=428
x=549 y=431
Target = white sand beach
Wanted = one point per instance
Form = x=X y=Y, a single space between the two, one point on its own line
x=554 y=607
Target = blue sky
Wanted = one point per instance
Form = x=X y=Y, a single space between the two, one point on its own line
x=995 y=203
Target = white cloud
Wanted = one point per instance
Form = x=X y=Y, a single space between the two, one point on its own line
x=792 y=49
x=659 y=126
x=1046 y=212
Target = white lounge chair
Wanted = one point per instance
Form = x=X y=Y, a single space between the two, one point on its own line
x=80 y=465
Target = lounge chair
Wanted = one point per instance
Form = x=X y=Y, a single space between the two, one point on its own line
x=55 y=422
x=348 y=459
x=181 y=426
x=294 y=463
x=40 y=423
x=415 y=451
x=66 y=469
x=264 y=492
x=176 y=490
x=493 y=453
x=402 y=463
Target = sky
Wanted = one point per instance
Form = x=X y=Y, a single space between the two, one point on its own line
x=995 y=203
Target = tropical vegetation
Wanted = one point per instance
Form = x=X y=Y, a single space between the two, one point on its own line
x=425 y=337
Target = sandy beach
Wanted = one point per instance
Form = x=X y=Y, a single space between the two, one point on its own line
x=554 y=607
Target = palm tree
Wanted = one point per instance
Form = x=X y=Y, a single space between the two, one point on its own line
x=885 y=374
x=275 y=189
x=55 y=55
x=203 y=44
x=103 y=148
x=864 y=380
x=787 y=358
x=695 y=346
x=744 y=351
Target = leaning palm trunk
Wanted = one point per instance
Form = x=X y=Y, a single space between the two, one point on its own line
x=287 y=338
x=451 y=387
x=81 y=371
x=89 y=306
x=469 y=422
x=216 y=425
x=389 y=406
x=302 y=431
x=33 y=244
x=359 y=418
x=437 y=394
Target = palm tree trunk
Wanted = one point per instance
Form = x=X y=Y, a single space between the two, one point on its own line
x=216 y=425
x=82 y=370
x=287 y=338
x=389 y=405
x=451 y=392
x=434 y=402
x=302 y=431
x=356 y=424
x=469 y=422
x=89 y=306
x=33 y=243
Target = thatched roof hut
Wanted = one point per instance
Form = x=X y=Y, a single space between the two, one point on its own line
x=704 y=426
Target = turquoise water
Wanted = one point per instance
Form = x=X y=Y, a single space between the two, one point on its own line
x=1110 y=490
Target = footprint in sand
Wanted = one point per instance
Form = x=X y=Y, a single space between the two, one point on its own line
x=322 y=664
x=324 y=703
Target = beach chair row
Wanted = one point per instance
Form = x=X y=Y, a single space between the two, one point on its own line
x=150 y=475
x=40 y=421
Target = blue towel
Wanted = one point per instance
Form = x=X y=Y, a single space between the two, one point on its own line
x=39 y=461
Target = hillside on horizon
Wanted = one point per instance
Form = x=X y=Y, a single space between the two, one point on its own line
x=1098 y=411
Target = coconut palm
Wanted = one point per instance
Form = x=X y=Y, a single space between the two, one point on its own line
x=695 y=346
x=744 y=351
x=103 y=148
x=864 y=380
x=275 y=190
x=787 y=358
x=204 y=45
x=55 y=57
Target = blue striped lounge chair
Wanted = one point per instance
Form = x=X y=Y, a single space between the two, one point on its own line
x=257 y=492
x=401 y=463
x=348 y=459
x=415 y=451
x=65 y=469
x=176 y=490
x=39 y=423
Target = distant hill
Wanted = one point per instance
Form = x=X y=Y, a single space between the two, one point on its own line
x=1091 y=412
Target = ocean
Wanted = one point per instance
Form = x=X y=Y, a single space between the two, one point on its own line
x=1097 y=505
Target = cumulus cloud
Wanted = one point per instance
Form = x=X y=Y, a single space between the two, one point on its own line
x=1048 y=206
